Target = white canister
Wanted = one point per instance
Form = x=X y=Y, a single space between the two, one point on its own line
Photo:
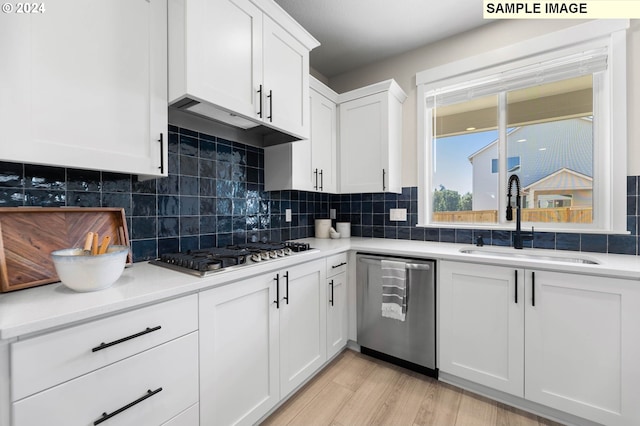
x=344 y=229
x=322 y=228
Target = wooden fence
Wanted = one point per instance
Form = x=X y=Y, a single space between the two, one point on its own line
x=556 y=215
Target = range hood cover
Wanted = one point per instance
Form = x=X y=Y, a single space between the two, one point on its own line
x=210 y=111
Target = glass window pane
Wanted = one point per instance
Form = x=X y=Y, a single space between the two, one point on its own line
x=551 y=131
x=464 y=146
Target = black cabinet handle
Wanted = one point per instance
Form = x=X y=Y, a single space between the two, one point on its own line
x=106 y=416
x=286 y=276
x=124 y=339
x=161 y=140
x=516 y=271
x=338 y=265
x=331 y=300
x=321 y=180
x=277 y=301
x=384 y=172
x=270 y=96
x=533 y=289
x=316 y=173
x=260 y=110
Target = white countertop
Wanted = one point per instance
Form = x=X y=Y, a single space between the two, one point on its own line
x=51 y=306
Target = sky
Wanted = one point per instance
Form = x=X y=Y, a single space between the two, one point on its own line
x=452 y=168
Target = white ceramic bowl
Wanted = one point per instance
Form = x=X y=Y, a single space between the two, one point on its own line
x=89 y=273
x=335 y=235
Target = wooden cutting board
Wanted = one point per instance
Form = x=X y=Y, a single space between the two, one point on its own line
x=28 y=235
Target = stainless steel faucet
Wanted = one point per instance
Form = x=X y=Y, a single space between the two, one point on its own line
x=519 y=236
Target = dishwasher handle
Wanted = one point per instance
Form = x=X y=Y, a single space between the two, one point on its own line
x=415 y=266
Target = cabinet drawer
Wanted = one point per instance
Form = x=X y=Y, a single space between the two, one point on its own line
x=336 y=264
x=156 y=385
x=45 y=361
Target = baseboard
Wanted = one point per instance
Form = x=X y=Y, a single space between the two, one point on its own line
x=514 y=401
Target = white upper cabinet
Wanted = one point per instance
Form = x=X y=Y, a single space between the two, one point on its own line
x=324 y=136
x=308 y=165
x=245 y=63
x=371 y=138
x=86 y=87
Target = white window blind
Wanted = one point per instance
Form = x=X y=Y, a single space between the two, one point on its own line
x=589 y=62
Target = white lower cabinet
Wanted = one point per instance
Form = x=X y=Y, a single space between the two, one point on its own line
x=260 y=339
x=303 y=323
x=561 y=340
x=481 y=326
x=149 y=388
x=337 y=326
x=239 y=350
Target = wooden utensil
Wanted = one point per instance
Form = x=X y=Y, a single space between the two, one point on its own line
x=104 y=245
x=87 y=244
x=94 y=245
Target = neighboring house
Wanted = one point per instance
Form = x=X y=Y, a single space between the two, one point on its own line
x=554 y=161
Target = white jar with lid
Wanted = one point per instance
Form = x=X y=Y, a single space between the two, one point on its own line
x=344 y=229
x=322 y=228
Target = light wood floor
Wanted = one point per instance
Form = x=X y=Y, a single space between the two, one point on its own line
x=359 y=390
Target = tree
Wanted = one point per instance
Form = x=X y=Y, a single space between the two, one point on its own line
x=466 y=202
x=445 y=200
x=448 y=200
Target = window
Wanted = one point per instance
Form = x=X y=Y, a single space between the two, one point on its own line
x=549 y=120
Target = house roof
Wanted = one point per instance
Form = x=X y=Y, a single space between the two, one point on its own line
x=546 y=148
x=562 y=179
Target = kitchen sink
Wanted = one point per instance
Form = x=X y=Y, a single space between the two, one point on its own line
x=527 y=255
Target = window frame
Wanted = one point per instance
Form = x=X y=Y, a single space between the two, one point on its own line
x=610 y=127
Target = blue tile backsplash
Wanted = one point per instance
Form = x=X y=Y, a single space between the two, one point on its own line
x=367 y=217
x=214 y=196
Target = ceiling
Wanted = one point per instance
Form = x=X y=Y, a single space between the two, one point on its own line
x=355 y=33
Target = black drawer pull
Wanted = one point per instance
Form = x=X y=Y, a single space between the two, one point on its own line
x=516 y=286
x=331 y=284
x=161 y=140
x=124 y=339
x=106 y=416
x=287 y=287
x=338 y=265
x=277 y=301
x=533 y=289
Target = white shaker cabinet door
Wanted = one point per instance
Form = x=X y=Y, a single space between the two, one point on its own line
x=323 y=143
x=286 y=81
x=582 y=346
x=86 y=86
x=216 y=53
x=363 y=144
x=482 y=325
x=336 y=314
x=238 y=352
x=303 y=323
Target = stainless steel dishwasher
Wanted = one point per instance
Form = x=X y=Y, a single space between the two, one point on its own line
x=410 y=343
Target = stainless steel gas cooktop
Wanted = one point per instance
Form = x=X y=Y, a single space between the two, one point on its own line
x=205 y=262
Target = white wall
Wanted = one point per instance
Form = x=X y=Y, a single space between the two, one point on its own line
x=403 y=69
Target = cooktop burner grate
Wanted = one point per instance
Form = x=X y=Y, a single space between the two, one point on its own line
x=205 y=261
